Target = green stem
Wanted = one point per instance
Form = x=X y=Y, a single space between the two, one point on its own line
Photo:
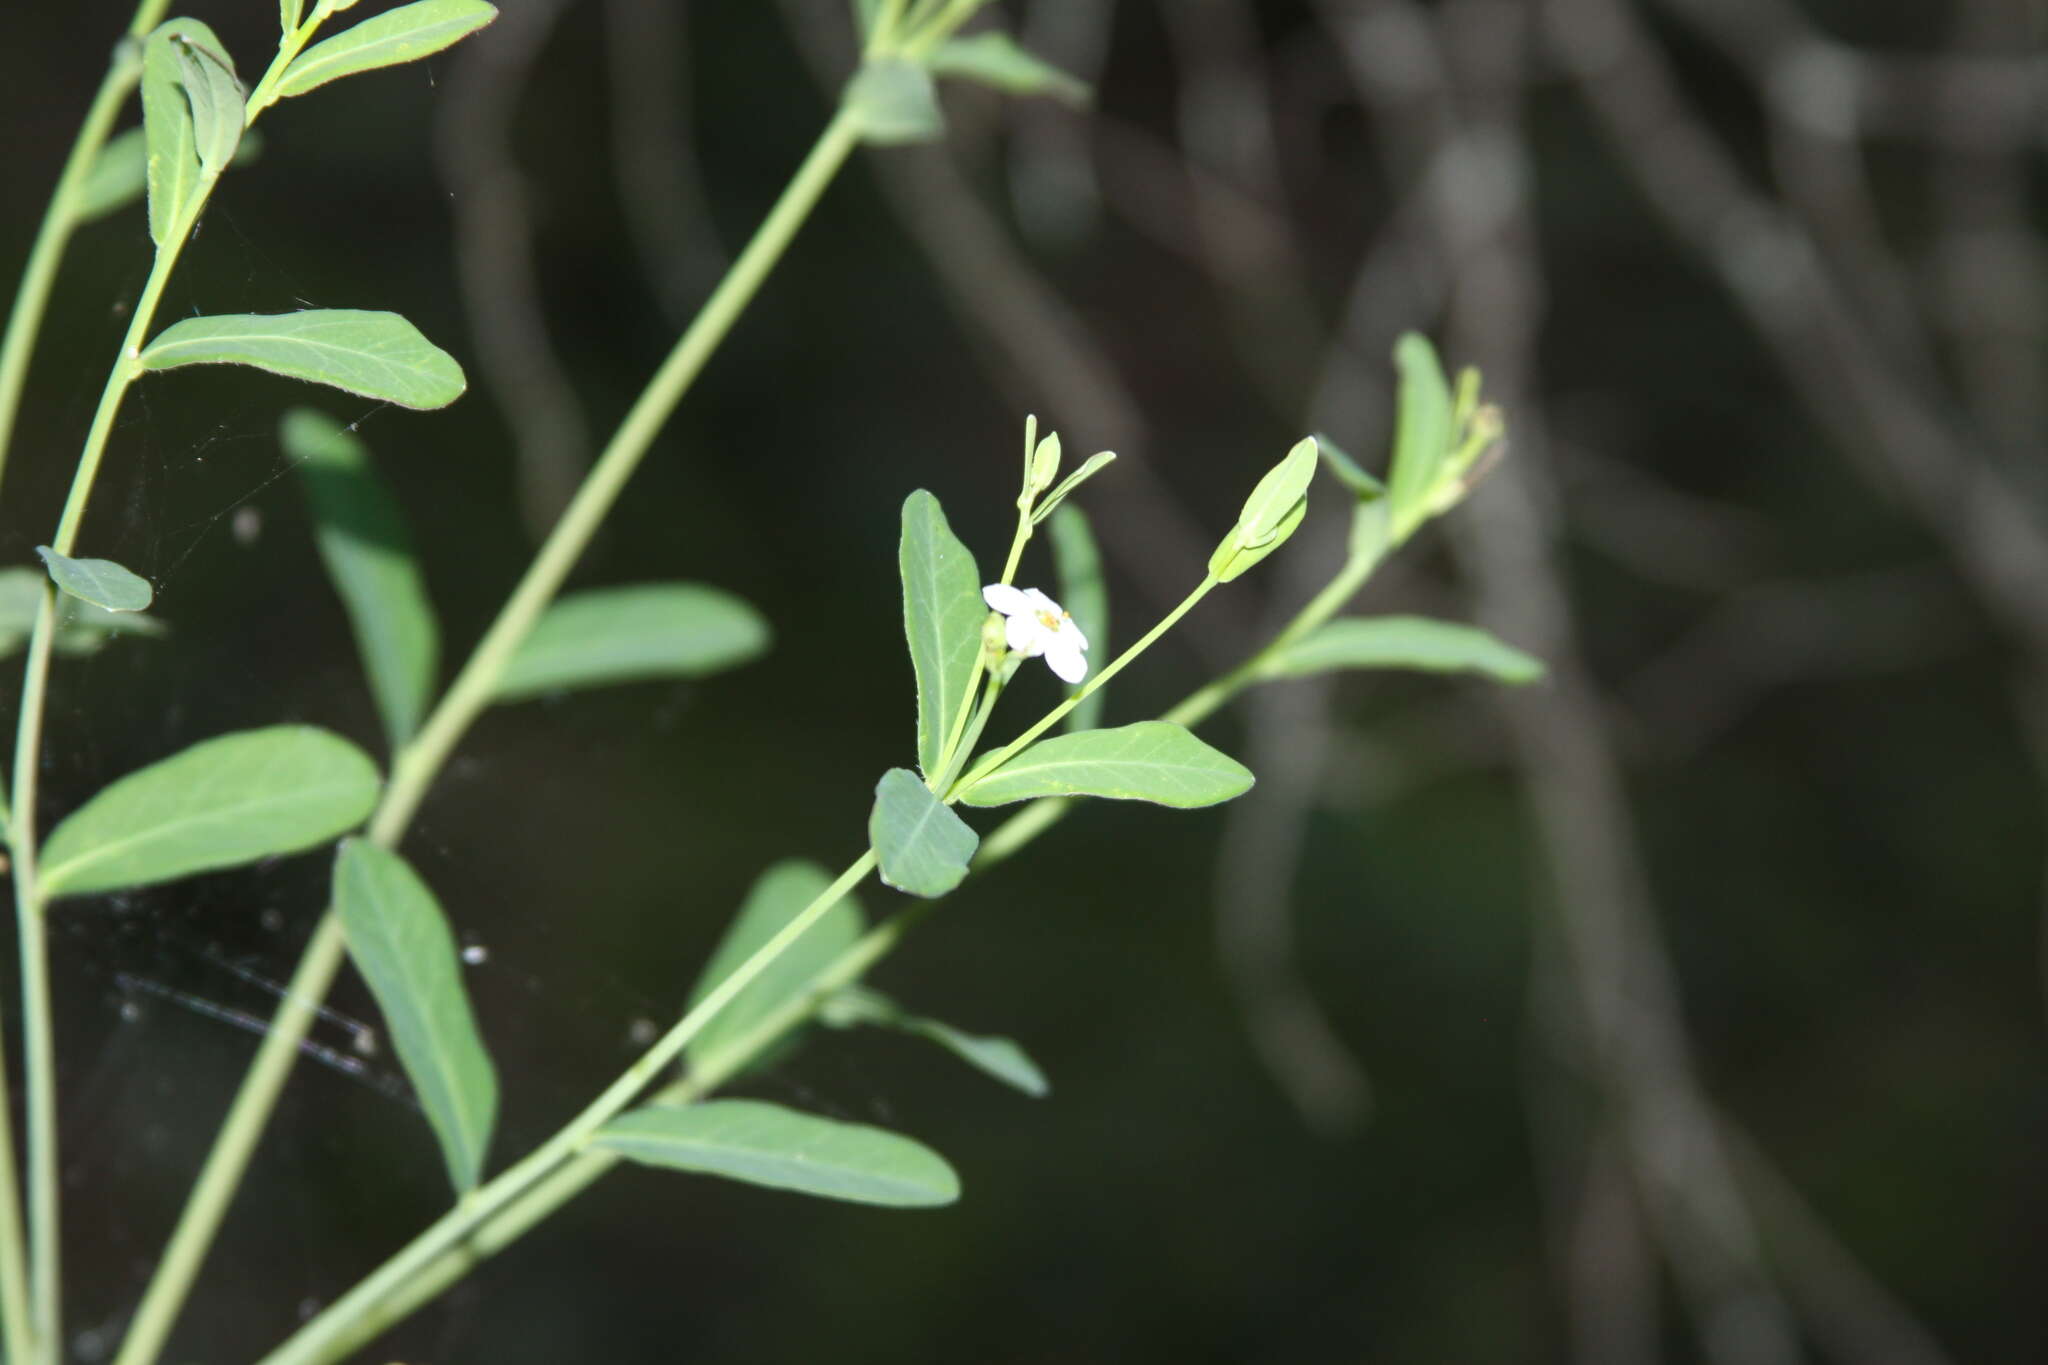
x=416 y=767
x=316 y=1341
x=952 y=754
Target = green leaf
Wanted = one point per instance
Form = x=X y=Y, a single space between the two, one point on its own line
x=378 y=355
x=216 y=97
x=405 y=34
x=864 y=13
x=222 y=802
x=1270 y=515
x=1086 y=598
x=172 y=169
x=1154 y=760
x=766 y=1144
x=778 y=896
x=82 y=627
x=400 y=942
x=993 y=59
x=1233 y=559
x=1094 y=465
x=1347 y=470
x=942 y=616
x=1422 y=436
x=923 y=847
x=999 y=1058
x=101 y=582
x=893 y=102
x=362 y=538
x=629 y=634
x=289 y=13
x=119 y=173
x=1403 y=642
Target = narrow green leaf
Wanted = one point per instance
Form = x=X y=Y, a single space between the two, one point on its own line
x=893 y=102
x=942 y=616
x=401 y=943
x=362 y=538
x=1403 y=642
x=289 y=14
x=766 y=1144
x=999 y=1058
x=1086 y=598
x=778 y=896
x=378 y=355
x=172 y=163
x=1154 y=760
x=634 y=633
x=405 y=34
x=222 y=802
x=923 y=847
x=1050 y=503
x=994 y=59
x=1347 y=470
x=119 y=173
x=101 y=582
x=82 y=627
x=216 y=97
x=1422 y=435
x=1278 y=494
x=864 y=13
x=1233 y=559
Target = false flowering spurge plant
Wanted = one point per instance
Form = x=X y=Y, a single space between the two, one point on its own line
x=800 y=946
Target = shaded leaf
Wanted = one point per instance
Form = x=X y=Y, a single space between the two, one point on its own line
x=633 y=633
x=362 y=538
x=1422 y=435
x=1154 y=760
x=1347 y=470
x=994 y=59
x=171 y=168
x=401 y=943
x=377 y=355
x=766 y=1144
x=999 y=1058
x=222 y=802
x=778 y=896
x=922 y=846
x=942 y=616
x=893 y=102
x=216 y=97
x=82 y=628
x=1086 y=597
x=1403 y=642
x=119 y=173
x=101 y=582
x=405 y=34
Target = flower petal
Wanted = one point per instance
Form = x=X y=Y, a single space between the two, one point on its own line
x=1040 y=602
x=1025 y=635
x=1005 y=599
x=1066 y=660
x=1071 y=628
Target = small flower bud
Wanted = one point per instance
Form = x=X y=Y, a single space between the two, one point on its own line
x=1045 y=463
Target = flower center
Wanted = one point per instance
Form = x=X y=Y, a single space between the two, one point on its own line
x=1049 y=621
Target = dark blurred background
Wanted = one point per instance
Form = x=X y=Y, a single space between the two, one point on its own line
x=1685 y=1007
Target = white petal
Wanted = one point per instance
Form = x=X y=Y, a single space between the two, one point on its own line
x=1065 y=660
x=1070 y=627
x=1040 y=602
x=1026 y=636
x=1005 y=599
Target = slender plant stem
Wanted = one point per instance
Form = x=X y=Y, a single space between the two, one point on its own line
x=418 y=764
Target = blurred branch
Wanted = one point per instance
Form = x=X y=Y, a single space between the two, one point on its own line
x=495 y=262
x=1052 y=177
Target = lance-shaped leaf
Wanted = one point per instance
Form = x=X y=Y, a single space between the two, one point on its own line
x=120 y=172
x=892 y=102
x=942 y=616
x=999 y=1058
x=766 y=1144
x=405 y=34
x=994 y=59
x=634 y=633
x=922 y=846
x=778 y=896
x=222 y=802
x=1154 y=760
x=82 y=627
x=101 y=582
x=401 y=943
x=1422 y=435
x=216 y=97
x=362 y=538
x=289 y=12
x=1403 y=642
x=172 y=164
x=1086 y=597
x=378 y=355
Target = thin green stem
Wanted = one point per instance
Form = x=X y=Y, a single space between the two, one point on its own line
x=419 y=763
x=943 y=778
x=315 y=1341
x=952 y=754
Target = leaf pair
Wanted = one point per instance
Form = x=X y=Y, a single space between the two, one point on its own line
x=192 y=118
x=894 y=101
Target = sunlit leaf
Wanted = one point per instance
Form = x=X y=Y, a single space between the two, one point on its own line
x=922 y=846
x=405 y=34
x=101 y=582
x=363 y=541
x=1414 y=642
x=766 y=1144
x=994 y=59
x=634 y=633
x=777 y=897
x=377 y=355
x=222 y=802
x=400 y=941
x=1154 y=760
x=1085 y=596
x=892 y=102
x=1422 y=435
x=942 y=616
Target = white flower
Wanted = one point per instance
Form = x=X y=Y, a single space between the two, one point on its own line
x=1038 y=626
